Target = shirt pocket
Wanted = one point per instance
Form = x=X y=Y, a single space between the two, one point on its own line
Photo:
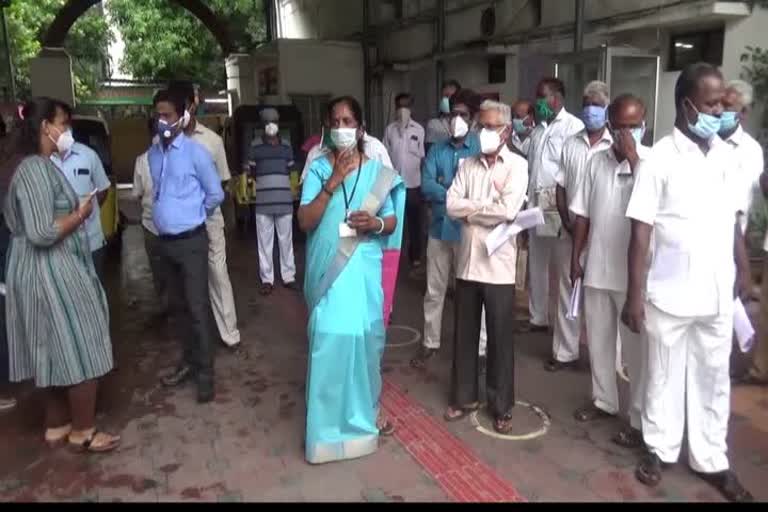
x=414 y=147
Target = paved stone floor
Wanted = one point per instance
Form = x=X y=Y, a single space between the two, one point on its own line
x=247 y=445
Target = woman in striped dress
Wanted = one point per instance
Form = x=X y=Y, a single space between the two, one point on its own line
x=56 y=309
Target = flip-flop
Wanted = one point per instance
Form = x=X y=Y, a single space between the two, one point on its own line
x=629 y=437
x=648 y=471
x=54 y=437
x=387 y=429
x=462 y=413
x=420 y=361
x=503 y=425
x=87 y=446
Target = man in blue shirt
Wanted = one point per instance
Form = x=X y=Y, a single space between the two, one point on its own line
x=440 y=166
x=83 y=170
x=187 y=190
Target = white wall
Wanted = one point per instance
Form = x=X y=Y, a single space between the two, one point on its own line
x=314 y=19
x=313 y=67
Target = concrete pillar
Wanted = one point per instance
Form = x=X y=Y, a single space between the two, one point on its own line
x=241 y=81
x=50 y=74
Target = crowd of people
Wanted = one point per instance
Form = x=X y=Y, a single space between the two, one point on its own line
x=652 y=237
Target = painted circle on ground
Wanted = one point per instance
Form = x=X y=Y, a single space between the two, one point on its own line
x=415 y=336
x=490 y=432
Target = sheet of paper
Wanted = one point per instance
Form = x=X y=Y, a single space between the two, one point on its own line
x=526 y=219
x=575 y=302
x=742 y=326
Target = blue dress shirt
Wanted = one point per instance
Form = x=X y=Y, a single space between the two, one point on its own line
x=83 y=169
x=186 y=185
x=440 y=167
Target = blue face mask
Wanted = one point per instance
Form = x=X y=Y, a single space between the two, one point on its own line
x=445 y=105
x=638 y=134
x=728 y=121
x=594 y=117
x=519 y=126
x=707 y=125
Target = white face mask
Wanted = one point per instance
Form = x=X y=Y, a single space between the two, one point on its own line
x=403 y=115
x=65 y=141
x=344 y=138
x=271 y=129
x=459 y=127
x=490 y=141
x=186 y=119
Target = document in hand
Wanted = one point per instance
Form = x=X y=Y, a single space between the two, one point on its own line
x=526 y=219
x=575 y=303
x=745 y=333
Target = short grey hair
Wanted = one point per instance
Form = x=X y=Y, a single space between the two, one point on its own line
x=501 y=108
x=598 y=90
x=744 y=90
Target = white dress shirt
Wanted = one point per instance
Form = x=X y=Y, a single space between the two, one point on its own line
x=142 y=191
x=748 y=163
x=522 y=145
x=602 y=198
x=406 y=147
x=211 y=141
x=373 y=149
x=474 y=198
x=545 y=151
x=576 y=154
x=438 y=130
x=679 y=190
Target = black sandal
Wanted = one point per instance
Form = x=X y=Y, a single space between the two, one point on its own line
x=629 y=437
x=420 y=361
x=266 y=289
x=591 y=412
x=728 y=485
x=648 y=471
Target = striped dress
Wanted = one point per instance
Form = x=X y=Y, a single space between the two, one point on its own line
x=56 y=309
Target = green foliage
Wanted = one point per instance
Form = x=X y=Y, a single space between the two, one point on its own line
x=755 y=71
x=165 y=41
x=87 y=42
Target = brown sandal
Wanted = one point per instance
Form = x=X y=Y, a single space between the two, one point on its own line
x=454 y=414
x=88 y=446
x=503 y=425
x=386 y=428
x=55 y=437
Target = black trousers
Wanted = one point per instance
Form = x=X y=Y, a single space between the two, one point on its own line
x=154 y=255
x=183 y=263
x=414 y=206
x=499 y=302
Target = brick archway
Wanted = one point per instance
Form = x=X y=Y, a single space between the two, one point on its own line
x=73 y=9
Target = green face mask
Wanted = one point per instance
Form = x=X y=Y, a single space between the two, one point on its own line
x=543 y=110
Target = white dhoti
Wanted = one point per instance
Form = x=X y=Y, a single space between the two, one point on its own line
x=265 y=233
x=219 y=285
x=441 y=264
x=565 y=343
x=541 y=252
x=607 y=336
x=688 y=365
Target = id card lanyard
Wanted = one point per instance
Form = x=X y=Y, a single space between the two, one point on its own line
x=348 y=199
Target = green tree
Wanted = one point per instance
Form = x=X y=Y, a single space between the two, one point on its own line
x=165 y=41
x=87 y=42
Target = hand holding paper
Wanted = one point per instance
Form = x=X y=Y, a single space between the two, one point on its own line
x=742 y=326
x=575 y=303
x=526 y=219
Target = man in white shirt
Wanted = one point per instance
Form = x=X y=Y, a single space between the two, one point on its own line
x=688 y=307
x=404 y=140
x=488 y=190
x=555 y=126
x=599 y=223
x=523 y=123
x=749 y=162
x=576 y=153
x=747 y=152
x=142 y=191
x=438 y=129
x=219 y=285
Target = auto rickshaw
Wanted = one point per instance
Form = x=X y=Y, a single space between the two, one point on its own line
x=93 y=131
x=247 y=131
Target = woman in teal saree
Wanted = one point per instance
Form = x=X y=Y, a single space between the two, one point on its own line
x=352 y=209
